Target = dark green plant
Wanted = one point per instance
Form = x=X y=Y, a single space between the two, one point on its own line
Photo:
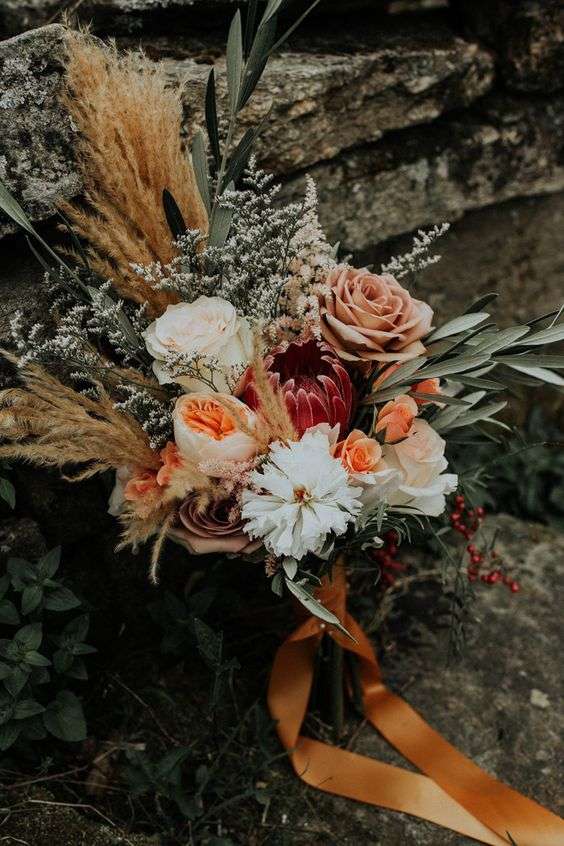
x=7 y=492
x=41 y=650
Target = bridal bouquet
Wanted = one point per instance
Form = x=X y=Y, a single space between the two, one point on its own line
x=254 y=393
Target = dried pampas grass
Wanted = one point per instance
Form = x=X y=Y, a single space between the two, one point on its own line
x=53 y=425
x=128 y=150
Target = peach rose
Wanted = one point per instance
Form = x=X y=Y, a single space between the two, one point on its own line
x=396 y=417
x=427 y=386
x=362 y=458
x=420 y=460
x=358 y=452
x=213 y=428
x=366 y=317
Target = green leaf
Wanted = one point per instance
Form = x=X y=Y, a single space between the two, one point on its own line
x=258 y=57
x=490 y=342
x=438 y=399
x=479 y=304
x=547 y=336
x=482 y=413
x=173 y=215
x=200 y=162
x=457 y=365
x=220 y=223
x=314 y=606
x=64 y=718
x=61 y=599
x=8 y=613
x=31 y=598
x=16 y=682
x=5 y=671
x=77 y=629
x=49 y=563
x=12 y=208
x=36 y=659
x=63 y=661
x=556 y=362
x=210 y=643
x=27 y=708
x=211 y=118
x=234 y=58
x=8 y=492
x=540 y=373
x=170 y=762
x=9 y=733
x=29 y=637
x=21 y=569
x=448 y=415
x=457 y=325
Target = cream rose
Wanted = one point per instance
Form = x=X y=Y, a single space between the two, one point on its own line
x=213 y=428
x=366 y=317
x=420 y=459
x=209 y=327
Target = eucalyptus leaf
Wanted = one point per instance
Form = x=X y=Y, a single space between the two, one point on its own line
x=173 y=215
x=211 y=117
x=314 y=606
x=479 y=304
x=457 y=365
x=457 y=325
x=220 y=223
x=438 y=399
x=555 y=362
x=540 y=373
x=234 y=57
x=547 y=336
x=482 y=413
x=200 y=162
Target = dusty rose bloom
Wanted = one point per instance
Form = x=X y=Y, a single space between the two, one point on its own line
x=366 y=317
x=427 y=386
x=217 y=527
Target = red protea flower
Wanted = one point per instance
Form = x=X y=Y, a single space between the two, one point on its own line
x=315 y=385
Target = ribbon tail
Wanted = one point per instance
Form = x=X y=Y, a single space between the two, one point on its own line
x=455 y=793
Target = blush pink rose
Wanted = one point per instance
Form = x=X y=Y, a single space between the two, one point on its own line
x=216 y=527
x=366 y=317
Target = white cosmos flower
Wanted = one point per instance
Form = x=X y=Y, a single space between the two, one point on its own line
x=421 y=461
x=304 y=495
x=209 y=327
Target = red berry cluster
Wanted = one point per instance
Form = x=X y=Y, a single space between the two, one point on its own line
x=467 y=521
x=386 y=557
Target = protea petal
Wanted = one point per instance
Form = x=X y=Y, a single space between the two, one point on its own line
x=316 y=386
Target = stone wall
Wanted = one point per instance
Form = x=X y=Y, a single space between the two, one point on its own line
x=405 y=115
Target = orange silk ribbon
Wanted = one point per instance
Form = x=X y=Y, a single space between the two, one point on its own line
x=454 y=793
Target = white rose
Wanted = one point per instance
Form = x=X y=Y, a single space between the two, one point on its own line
x=206 y=430
x=421 y=461
x=208 y=327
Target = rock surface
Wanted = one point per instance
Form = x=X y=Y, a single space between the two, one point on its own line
x=503 y=149
x=528 y=36
x=36 y=134
x=324 y=102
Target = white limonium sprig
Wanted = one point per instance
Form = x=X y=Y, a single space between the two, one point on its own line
x=418 y=258
x=302 y=496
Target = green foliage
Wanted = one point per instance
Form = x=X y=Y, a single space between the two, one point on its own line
x=525 y=477
x=40 y=650
x=7 y=492
x=225 y=760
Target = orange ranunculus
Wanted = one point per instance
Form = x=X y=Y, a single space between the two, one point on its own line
x=172 y=460
x=396 y=417
x=358 y=452
x=208 y=417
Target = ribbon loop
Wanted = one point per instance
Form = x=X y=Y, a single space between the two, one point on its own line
x=454 y=792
